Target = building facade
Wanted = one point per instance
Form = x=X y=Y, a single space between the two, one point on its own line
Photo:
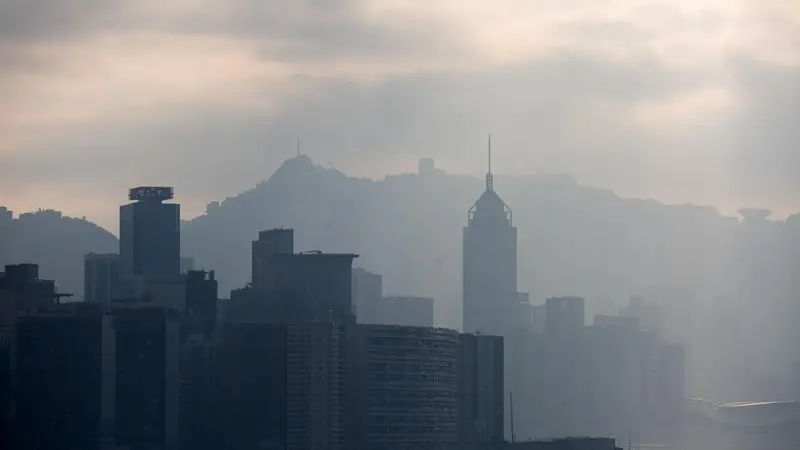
x=409 y=389
x=101 y=278
x=481 y=391
x=57 y=388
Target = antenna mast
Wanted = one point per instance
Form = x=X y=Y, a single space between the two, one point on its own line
x=489 y=176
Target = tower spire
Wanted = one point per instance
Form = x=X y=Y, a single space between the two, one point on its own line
x=489 y=176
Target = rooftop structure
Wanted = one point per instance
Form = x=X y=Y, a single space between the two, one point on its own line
x=150 y=193
x=490 y=208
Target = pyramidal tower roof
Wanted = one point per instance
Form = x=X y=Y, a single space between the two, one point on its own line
x=490 y=208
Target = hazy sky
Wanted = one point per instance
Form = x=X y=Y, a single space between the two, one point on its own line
x=682 y=100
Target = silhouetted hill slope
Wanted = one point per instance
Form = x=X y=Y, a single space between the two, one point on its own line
x=58 y=244
x=573 y=239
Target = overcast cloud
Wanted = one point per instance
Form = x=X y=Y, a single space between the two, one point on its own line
x=681 y=100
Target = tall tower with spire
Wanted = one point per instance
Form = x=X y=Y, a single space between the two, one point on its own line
x=490 y=263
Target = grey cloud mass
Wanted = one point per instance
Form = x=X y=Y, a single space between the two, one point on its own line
x=636 y=121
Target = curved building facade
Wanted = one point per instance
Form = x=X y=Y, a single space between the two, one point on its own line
x=411 y=387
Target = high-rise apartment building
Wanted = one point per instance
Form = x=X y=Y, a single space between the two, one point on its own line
x=149 y=233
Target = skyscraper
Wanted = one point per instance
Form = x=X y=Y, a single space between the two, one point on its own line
x=490 y=263
x=149 y=233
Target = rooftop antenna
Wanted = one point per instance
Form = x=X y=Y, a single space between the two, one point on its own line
x=298 y=147
x=489 y=176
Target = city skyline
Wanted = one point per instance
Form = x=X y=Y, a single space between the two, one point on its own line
x=686 y=101
x=108 y=219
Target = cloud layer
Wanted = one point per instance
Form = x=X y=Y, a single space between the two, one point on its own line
x=683 y=101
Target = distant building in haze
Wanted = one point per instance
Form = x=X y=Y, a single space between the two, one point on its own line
x=481 y=391
x=565 y=315
x=367 y=288
x=398 y=310
x=149 y=233
x=6 y=221
x=101 y=277
x=490 y=264
x=187 y=264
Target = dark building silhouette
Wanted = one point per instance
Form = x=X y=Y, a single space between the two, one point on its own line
x=317 y=282
x=197 y=421
x=408 y=394
x=201 y=297
x=101 y=277
x=250 y=411
x=481 y=391
x=149 y=233
x=490 y=264
x=284 y=385
x=147 y=377
x=269 y=243
x=58 y=377
x=21 y=290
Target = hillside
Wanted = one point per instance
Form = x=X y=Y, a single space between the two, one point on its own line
x=58 y=244
x=573 y=239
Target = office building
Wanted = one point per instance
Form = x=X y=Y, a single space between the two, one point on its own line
x=149 y=233
x=269 y=243
x=101 y=278
x=147 y=378
x=168 y=291
x=321 y=283
x=408 y=396
x=58 y=377
x=490 y=264
x=481 y=394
